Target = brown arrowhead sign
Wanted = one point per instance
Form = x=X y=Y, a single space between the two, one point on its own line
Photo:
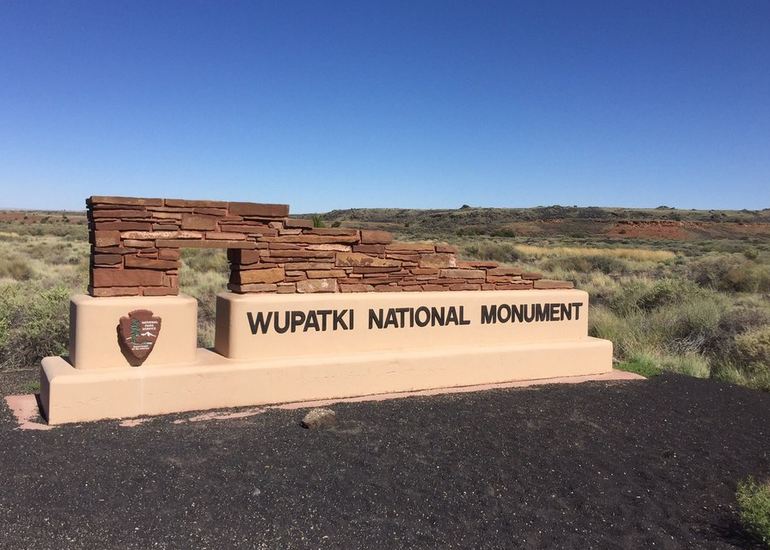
x=137 y=334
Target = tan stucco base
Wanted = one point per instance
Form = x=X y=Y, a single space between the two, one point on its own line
x=213 y=381
x=259 y=363
x=94 y=324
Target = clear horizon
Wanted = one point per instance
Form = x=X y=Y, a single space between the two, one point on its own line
x=387 y=105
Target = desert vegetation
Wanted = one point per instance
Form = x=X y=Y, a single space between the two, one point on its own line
x=698 y=305
x=701 y=310
x=754 y=504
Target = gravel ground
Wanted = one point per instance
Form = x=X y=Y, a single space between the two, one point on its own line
x=597 y=465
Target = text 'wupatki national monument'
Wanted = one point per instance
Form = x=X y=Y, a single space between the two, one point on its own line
x=312 y=313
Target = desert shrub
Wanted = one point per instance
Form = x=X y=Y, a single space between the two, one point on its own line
x=646 y=295
x=666 y=324
x=625 y=332
x=738 y=348
x=753 y=350
x=204 y=286
x=34 y=323
x=586 y=264
x=732 y=273
x=754 y=505
x=489 y=250
x=55 y=252
x=739 y=318
x=15 y=268
x=687 y=326
x=205 y=259
x=751 y=253
x=318 y=221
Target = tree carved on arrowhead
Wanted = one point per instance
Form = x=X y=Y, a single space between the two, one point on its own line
x=137 y=334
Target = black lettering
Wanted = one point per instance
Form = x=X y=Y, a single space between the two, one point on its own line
x=577 y=310
x=390 y=319
x=504 y=318
x=437 y=316
x=554 y=312
x=463 y=320
x=375 y=319
x=260 y=323
x=278 y=328
x=324 y=313
x=401 y=313
x=297 y=318
x=312 y=322
x=451 y=316
x=529 y=313
x=339 y=320
x=426 y=318
x=488 y=315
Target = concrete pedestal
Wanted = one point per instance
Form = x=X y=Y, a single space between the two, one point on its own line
x=282 y=348
x=94 y=336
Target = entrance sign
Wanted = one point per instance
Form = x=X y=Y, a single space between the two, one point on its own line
x=253 y=327
x=311 y=313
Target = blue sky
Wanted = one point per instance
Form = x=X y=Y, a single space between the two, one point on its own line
x=417 y=104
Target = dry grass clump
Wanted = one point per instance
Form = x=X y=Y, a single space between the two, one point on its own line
x=203 y=275
x=492 y=251
x=587 y=264
x=636 y=254
x=16 y=268
x=730 y=273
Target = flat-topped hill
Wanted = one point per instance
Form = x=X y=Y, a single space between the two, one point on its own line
x=643 y=223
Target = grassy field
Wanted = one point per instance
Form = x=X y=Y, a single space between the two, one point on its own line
x=696 y=301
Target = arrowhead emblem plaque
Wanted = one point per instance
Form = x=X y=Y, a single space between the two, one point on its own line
x=137 y=334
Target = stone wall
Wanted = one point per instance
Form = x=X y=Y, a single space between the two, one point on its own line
x=135 y=246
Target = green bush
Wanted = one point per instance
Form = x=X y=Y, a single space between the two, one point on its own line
x=641 y=364
x=318 y=221
x=34 y=323
x=687 y=327
x=691 y=364
x=754 y=505
x=753 y=350
x=751 y=253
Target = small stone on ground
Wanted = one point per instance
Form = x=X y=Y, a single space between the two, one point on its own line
x=319 y=418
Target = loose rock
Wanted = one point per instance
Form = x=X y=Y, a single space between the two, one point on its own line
x=319 y=419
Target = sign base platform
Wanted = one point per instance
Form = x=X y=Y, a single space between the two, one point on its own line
x=136 y=355
x=213 y=381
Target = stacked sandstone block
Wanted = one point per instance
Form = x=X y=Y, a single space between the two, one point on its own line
x=136 y=242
